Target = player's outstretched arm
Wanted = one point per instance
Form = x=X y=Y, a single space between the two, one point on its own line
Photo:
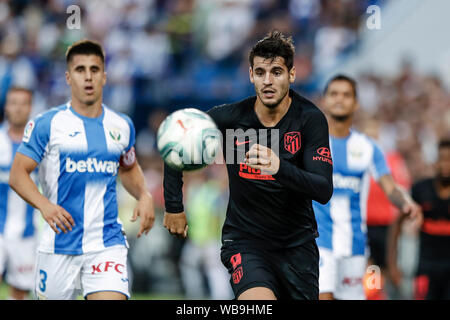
x=401 y=199
x=133 y=181
x=21 y=182
x=175 y=220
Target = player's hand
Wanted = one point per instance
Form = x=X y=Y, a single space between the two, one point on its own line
x=57 y=216
x=176 y=223
x=262 y=158
x=145 y=210
x=413 y=212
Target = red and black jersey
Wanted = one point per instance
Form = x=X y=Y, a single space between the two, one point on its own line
x=434 y=252
x=274 y=210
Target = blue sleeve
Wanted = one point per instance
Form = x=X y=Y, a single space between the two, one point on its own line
x=379 y=165
x=35 y=138
x=132 y=139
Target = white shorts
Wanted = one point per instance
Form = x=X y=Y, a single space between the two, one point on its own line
x=64 y=277
x=342 y=276
x=18 y=258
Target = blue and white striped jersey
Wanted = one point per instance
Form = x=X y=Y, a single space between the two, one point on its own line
x=78 y=164
x=17 y=218
x=342 y=221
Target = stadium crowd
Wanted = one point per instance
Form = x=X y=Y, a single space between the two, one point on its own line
x=162 y=55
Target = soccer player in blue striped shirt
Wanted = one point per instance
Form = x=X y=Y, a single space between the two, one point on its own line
x=81 y=147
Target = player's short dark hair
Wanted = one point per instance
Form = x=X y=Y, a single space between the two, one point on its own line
x=444 y=143
x=85 y=47
x=20 y=88
x=342 y=77
x=274 y=44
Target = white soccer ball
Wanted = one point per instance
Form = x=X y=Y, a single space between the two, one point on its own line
x=188 y=139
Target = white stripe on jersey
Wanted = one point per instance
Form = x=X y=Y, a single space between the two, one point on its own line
x=93 y=217
x=342 y=227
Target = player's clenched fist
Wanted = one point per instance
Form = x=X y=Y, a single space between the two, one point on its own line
x=57 y=216
x=176 y=223
x=262 y=158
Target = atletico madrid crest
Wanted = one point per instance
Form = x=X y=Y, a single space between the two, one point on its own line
x=292 y=141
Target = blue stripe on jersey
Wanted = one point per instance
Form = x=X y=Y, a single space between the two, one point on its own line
x=73 y=203
x=4 y=188
x=324 y=225
x=97 y=147
x=29 y=227
x=359 y=238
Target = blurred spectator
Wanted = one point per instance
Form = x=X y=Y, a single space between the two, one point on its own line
x=206 y=202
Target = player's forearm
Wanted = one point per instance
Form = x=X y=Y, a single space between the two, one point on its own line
x=317 y=186
x=173 y=193
x=399 y=197
x=21 y=182
x=134 y=182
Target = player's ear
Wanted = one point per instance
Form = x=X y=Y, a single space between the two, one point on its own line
x=292 y=74
x=356 y=105
x=250 y=72
x=104 y=78
x=67 y=77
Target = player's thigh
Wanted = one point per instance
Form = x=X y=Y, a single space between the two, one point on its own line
x=298 y=271
x=106 y=271
x=21 y=263
x=350 y=275
x=2 y=256
x=56 y=276
x=327 y=273
x=248 y=269
x=257 y=293
x=106 y=295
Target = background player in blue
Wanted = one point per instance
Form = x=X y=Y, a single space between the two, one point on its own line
x=81 y=147
x=18 y=238
x=341 y=222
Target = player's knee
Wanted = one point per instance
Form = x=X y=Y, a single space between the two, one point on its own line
x=17 y=294
x=326 y=296
x=106 y=295
x=257 y=293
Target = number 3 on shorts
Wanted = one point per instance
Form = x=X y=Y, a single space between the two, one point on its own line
x=42 y=284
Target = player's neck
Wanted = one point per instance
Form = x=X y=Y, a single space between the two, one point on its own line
x=443 y=189
x=269 y=117
x=90 y=111
x=16 y=132
x=339 y=129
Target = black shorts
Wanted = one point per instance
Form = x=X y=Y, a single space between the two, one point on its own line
x=291 y=273
x=377 y=236
x=432 y=285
